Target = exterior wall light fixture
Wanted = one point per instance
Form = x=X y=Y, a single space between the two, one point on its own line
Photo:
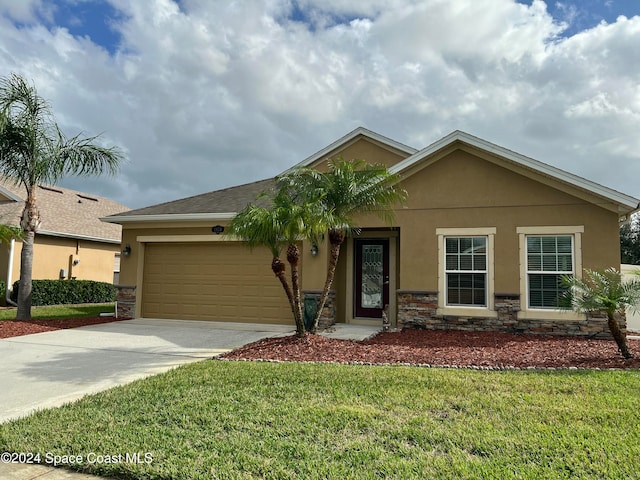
x=126 y=251
x=314 y=250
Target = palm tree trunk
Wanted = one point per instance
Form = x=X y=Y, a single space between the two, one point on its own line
x=26 y=270
x=618 y=335
x=279 y=270
x=29 y=222
x=336 y=239
x=293 y=257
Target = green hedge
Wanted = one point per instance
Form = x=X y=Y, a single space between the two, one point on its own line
x=68 y=292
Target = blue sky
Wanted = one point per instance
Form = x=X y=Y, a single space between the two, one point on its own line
x=93 y=19
x=203 y=94
x=584 y=14
x=96 y=18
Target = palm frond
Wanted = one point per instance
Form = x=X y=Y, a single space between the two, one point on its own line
x=346 y=188
x=601 y=290
x=10 y=232
x=258 y=226
x=33 y=150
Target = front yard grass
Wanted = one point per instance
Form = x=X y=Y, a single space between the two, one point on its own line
x=62 y=311
x=218 y=419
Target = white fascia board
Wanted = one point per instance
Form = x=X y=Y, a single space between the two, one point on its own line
x=78 y=237
x=350 y=136
x=540 y=167
x=169 y=217
x=10 y=195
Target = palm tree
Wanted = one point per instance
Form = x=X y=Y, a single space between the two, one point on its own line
x=281 y=225
x=33 y=150
x=348 y=188
x=604 y=291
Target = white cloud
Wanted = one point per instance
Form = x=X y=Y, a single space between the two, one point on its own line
x=205 y=95
x=26 y=11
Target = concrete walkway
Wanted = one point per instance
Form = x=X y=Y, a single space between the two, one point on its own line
x=50 y=369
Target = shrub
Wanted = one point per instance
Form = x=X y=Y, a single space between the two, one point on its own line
x=68 y=292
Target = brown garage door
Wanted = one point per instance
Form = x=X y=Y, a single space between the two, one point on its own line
x=222 y=281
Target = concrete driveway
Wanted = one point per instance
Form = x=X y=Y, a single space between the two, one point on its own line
x=49 y=369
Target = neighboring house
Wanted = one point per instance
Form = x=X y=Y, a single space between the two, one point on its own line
x=72 y=242
x=481 y=244
x=633 y=317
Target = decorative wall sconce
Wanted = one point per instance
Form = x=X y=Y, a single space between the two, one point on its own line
x=314 y=250
x=126 y=251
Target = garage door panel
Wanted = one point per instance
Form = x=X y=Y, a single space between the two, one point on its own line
x=222 y=281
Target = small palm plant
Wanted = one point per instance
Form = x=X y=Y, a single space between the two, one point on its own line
x=281 y=225
x=347 y=189
x=604 y=291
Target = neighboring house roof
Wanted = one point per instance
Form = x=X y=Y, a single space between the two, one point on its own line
x=224 y=204
x=64 y=212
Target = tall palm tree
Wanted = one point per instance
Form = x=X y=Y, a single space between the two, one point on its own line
x=281 y=225
x=604 y=291
x=33 y=151
x=348 y=188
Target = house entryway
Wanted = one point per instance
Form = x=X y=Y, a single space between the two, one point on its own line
x=371 y=277
x=371 y=271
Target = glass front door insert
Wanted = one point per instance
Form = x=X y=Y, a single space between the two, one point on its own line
x=371 y=277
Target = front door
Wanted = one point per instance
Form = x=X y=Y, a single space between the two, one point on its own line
x=371 y=276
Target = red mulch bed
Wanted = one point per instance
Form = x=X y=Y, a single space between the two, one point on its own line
x=446 y=348
x=13 y=328
x=412 y=347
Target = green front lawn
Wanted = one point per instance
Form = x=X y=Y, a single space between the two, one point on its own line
x=62 y=311
x=217 y=419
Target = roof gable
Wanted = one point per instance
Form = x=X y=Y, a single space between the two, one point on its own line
x=542 y=172
x=352 y=137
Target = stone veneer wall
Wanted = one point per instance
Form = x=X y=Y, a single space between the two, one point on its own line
x=419 y=309
x=328 y=316
x=125 y=301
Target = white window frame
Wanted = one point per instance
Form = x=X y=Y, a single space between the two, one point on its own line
x=471 y=272
x=466 y=310
x=526 y=311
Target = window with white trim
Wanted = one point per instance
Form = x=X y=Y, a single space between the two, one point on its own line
x=549 y=258
x=466 y=271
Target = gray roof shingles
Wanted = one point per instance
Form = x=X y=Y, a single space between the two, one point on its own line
x=228 y=200
x=64 y=211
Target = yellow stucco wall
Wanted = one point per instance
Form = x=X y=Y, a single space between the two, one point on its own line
x=463 y=191
x=51 y=254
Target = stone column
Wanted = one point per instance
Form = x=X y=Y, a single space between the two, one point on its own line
x=417 y=309
x=507 y=305
x=125 y=301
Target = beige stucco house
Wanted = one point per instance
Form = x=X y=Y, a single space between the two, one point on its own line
x=72 y=242
x=480 y=244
